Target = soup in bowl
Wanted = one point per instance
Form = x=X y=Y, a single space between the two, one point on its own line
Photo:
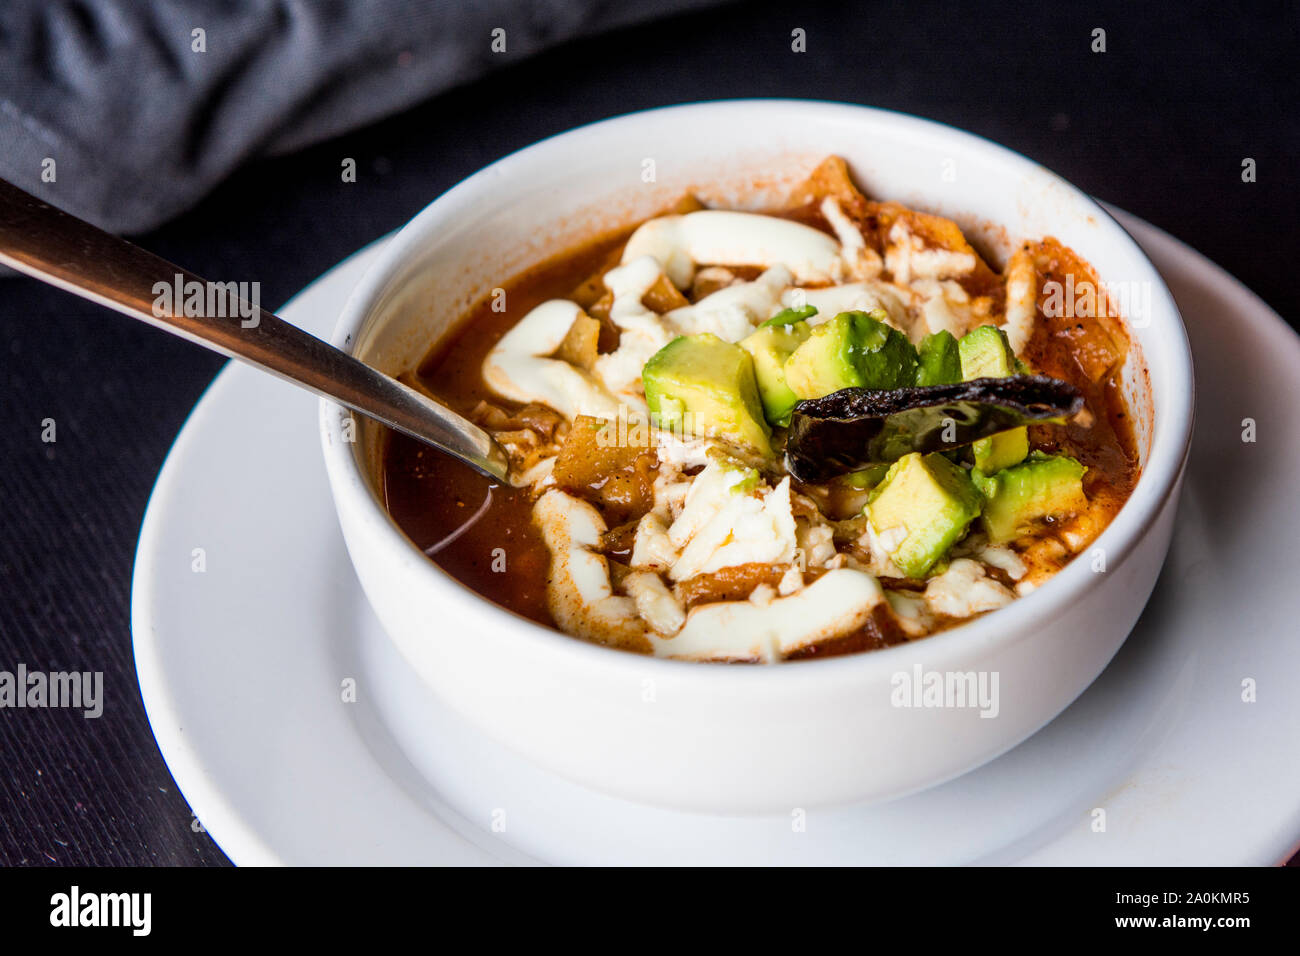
x=780 y=383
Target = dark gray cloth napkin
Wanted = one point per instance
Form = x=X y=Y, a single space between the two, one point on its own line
x=126 y=112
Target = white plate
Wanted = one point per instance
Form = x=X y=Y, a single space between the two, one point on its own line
x=242 y=665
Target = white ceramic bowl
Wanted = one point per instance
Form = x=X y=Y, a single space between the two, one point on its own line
x=748 y=738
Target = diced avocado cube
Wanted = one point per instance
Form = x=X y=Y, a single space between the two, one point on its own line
x=827 y=364
x=770 y=346
x=932 y=500
x=939 y=360
x=1001 y=450
x=1039 y=487
x=852 y=350
x=986 y=353
x=705 y=386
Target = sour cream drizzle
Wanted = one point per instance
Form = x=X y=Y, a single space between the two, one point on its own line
x=836 y=603
x=519 y=369
x=718 y=237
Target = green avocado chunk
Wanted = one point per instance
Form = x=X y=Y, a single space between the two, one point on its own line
x=1039 y=487
x=939 y=360
x=932 y=500
x=770 y=345
x=703 y=385
x=852 y=350
x=986 y=353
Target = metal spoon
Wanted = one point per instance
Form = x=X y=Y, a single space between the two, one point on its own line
x=70 y=253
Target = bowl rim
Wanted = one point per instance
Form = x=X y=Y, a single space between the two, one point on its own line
x=1171 y=429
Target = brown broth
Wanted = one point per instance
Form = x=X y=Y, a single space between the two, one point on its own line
x=501 y=556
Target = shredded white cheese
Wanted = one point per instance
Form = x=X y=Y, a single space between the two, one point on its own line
x=964 y=590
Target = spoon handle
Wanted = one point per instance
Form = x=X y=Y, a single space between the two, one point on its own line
x=70 y=253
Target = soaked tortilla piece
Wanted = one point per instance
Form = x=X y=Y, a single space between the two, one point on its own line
x=1075 y=307
x=935 y=232
x=610 y=465
x=734 y=583
x=579 y=347
x=663 y=297
x=881 y=630
x=831 y=179
x=1088 y=351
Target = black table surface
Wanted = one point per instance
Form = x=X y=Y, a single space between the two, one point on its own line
x=1159 y=124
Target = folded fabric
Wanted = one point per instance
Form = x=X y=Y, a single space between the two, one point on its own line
x=127 y=112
